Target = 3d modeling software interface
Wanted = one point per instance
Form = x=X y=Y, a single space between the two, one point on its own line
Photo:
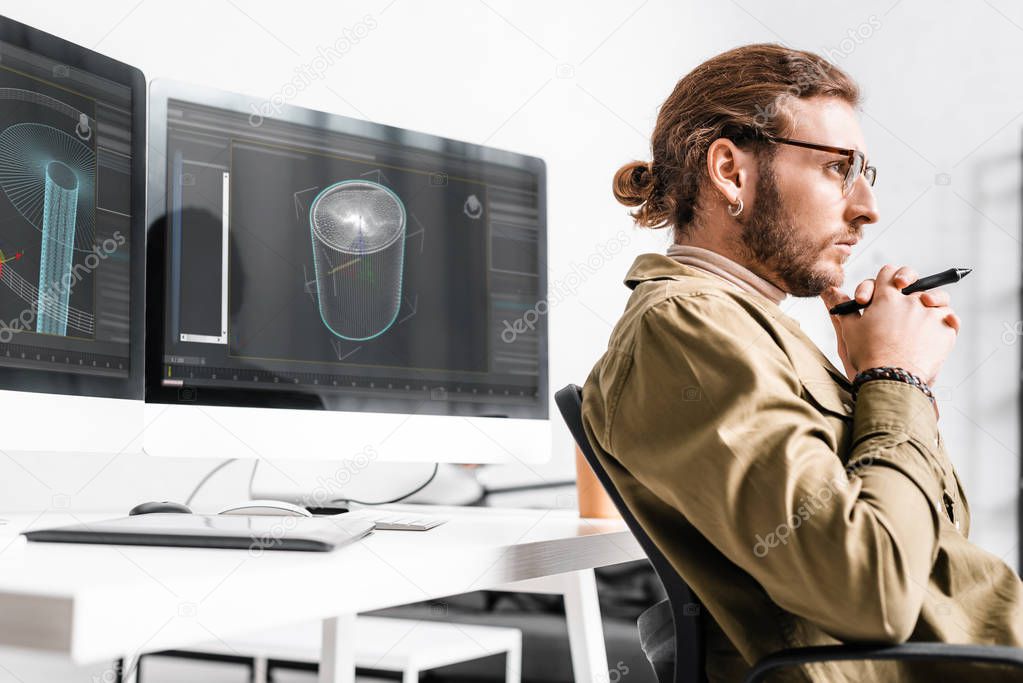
x=65 y=208
x=361 y=270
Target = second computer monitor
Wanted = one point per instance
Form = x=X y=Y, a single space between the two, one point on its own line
x=72 y=197
x=320 y=285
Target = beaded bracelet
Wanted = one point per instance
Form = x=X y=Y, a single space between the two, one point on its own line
x=897 y=374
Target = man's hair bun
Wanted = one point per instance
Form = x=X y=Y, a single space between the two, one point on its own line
x=635 y=184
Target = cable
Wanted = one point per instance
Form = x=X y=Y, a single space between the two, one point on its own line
x=436 y=466
x=202 y=482
x=530 y=487
x=485 y=492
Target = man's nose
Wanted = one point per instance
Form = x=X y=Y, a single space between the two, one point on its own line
x=862 y=203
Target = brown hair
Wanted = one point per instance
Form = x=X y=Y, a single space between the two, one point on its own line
x=740 y=95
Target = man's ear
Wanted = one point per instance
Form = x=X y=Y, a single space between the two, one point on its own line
x=728 y=169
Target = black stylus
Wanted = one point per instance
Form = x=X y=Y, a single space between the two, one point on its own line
x=945 y=277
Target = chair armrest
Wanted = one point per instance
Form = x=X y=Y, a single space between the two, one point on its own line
x=979 y=654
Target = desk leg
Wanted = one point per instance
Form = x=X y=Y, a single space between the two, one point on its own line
x=582 y=612
x=128 y=669
x=260 y=673
x=337 y=657
x=513 y=664
x=585 y=634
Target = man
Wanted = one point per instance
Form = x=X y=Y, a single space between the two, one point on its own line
x=802 y=507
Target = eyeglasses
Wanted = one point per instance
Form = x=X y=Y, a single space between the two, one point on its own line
x=855 y=162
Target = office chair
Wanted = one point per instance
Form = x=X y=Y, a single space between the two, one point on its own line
x=684 y=663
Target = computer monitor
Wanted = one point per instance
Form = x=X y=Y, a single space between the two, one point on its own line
x=324 y=287
x=72 y=245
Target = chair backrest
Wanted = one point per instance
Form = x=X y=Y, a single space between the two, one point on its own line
x=685 y=607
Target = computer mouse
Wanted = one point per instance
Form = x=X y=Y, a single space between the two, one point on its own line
x=154 y=506
x=276 y=508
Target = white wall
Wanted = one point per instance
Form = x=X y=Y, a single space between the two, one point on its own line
x=579 y=83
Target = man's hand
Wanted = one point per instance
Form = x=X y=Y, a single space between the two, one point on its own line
x=915 y=331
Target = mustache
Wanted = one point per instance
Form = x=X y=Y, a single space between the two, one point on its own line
x=856 y=235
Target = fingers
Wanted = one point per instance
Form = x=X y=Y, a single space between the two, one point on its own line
x=904 y=277
x=935 y=297
x=898 y=278
x=883 y=283
x=864 y=291
x=837 y=324
x=947 y=316
x=891 y=278
x=832 y=296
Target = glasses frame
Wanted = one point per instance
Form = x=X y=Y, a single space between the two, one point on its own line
x=868 y=172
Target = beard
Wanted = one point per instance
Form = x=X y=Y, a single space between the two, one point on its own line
x=769 y=242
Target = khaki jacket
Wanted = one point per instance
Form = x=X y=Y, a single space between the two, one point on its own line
x=798 y=516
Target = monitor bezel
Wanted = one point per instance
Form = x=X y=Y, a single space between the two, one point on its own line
x=81 y=384
x=163 y=91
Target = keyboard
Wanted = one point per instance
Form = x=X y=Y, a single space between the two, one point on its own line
x=396 y=521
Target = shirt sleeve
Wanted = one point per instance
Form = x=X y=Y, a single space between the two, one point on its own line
x=710 y=418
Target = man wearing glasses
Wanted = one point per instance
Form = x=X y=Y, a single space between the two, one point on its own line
x=803 y=503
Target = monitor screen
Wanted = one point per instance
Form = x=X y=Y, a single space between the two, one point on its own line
x=312 y=260
x=72 y=136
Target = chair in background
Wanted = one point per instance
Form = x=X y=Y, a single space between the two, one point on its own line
x=680 y=659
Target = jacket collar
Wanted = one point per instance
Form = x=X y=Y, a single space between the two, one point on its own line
x=659 y=267
x=651 y=267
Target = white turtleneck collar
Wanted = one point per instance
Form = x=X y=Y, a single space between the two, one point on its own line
x=726 y=269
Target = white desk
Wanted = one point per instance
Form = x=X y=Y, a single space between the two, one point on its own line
x=92 y=602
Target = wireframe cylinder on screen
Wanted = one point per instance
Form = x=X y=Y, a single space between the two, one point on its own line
x=357 y=229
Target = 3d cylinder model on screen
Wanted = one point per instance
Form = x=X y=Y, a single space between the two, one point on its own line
x=358 y=237
x=60 y=206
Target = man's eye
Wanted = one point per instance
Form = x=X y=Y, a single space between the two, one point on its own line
x=839 y=166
